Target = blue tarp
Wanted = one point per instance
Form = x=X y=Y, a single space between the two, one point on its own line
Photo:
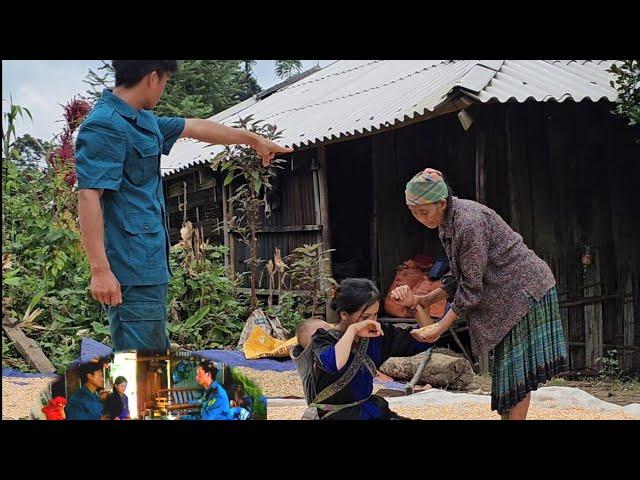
x=235 y=358
x=9 y=372
x=90 y=349
x=391 y=385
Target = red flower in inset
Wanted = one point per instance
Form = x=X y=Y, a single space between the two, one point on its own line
x=55 y=409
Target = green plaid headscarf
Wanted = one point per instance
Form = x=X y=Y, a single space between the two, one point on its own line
x=426 y=187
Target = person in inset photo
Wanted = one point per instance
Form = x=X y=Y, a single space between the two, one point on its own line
x=85 y=404
x=242 y=404
x=116 y=406
x=214 y=403
x=103 y=393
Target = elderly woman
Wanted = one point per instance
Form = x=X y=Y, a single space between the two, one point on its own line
x=502 y=288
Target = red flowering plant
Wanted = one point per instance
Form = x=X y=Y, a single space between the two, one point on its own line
x=62 y=159
x=62 y=163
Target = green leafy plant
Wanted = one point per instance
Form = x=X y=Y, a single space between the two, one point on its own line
x=289 y=311
x=204 y=306
x=14 y=112
x=243 y=163
x=308 y=271
x=254 y=391
x=610 y=366
x=45 y=272
x=287 y=68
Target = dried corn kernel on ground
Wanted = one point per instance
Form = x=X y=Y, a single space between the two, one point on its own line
x=468 y=412
x=20 y=395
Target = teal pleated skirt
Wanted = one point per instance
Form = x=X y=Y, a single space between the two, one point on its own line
x=532 y=353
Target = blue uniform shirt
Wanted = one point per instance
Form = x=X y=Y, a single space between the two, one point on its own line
x=84 y=405
x=214 y=405
x=118 y=150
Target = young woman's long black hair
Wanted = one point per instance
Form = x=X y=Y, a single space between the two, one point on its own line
x=355 y=294
x=117 y=382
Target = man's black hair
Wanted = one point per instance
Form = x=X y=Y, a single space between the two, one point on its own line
x=209 y=366
x=87 y=369
x=130 y=72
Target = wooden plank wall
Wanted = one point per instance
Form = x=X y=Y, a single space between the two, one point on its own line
x=204 y=202
x=572 y=169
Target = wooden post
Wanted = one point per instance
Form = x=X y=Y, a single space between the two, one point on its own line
x=324 y=204
x=225 y=223
x=388 y=218
x=593 y=315
x=481 y=174
x=481 y=197
x=375 y=261
x=629 y=326
x=316 y=207
x=184 y=203
x=316 y=192
x=513 y=204
x=315 y=166
x=27 y=347
x=232 y=239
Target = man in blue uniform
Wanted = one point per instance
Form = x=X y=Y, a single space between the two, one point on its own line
x=85 y=404
x=121 y=201
x=214 y=403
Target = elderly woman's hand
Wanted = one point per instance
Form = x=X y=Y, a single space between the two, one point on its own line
x=429 y=334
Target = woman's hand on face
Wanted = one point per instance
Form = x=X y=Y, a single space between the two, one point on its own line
x=404 y=296
x=428 y=334
x=367 y=329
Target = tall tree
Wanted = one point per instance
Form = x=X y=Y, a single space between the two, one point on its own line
x=102 y=77
x=199 y=89
x=32 y=151
x=202 y=88
x=627 y=82
x=287 y=68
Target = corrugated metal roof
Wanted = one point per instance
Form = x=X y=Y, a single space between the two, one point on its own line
x=354 y=96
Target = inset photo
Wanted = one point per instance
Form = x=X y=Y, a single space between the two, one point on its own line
x=174 y=386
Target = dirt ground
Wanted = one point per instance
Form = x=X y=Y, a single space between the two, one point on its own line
x=613 y=392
